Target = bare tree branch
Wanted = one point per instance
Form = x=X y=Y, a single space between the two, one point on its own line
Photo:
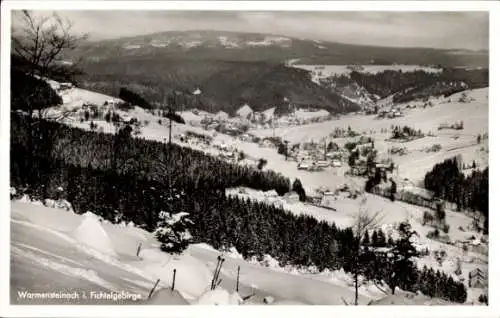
x=41 y=41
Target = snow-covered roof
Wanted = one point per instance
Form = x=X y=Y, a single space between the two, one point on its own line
x=221 y=115
x=244 y=111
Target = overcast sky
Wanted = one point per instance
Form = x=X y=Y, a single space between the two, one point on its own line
x=467 y=30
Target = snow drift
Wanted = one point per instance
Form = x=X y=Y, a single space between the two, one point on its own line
x=219 y=296
x=192 y=277
x=91 y=233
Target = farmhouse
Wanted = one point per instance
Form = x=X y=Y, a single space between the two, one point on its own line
x=336 y=163
x=477 y=279
x=63 y=86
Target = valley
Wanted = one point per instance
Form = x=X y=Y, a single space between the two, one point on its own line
x=206 y=167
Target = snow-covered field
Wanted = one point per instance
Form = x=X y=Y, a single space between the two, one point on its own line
x=414 y=165
x=324 y=71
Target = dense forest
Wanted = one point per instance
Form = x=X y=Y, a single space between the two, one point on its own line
x=408 y=86
x=448 y=182
x=144 y=177
x=224 y=85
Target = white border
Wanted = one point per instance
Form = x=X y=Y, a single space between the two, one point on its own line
x=251 y=311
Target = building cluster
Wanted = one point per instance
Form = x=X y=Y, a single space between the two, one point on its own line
x=390 y=113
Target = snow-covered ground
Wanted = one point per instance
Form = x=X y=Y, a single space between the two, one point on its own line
x=49 y=253
x=47 y=256
x=324 y=71
x=44 y=246
x=414 y=165
x=144 y=272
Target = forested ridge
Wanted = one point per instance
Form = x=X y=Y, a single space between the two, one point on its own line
x=408 y=86
x=448 y=182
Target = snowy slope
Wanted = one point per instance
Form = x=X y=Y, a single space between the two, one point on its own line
x=42 y=249
x=474 y=115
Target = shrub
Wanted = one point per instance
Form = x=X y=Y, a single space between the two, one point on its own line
x=115 y=118
x=446 y=228
x=262 y=163
x=483 y=299
x=427 y=218
x=172 y=231
x=440 y=213
x=433 y=234
x=175 y=117
x=350 y=145
x=107 y=117
x=124 y=106
x=132 y=98
x=297 y=187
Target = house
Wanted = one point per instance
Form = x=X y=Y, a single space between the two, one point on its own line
x=322 y=164
x=336 y=163
x=382 y=113
x=63 y=86
x=246 y=137
x=245 y=111
x=334 y=155
x=477 y=279
x=221 y=116
x=267 y=143
x=303 y=166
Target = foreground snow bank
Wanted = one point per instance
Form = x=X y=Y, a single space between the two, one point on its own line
x=166 y=296
x=91 y=234
x=192 y=277
x=219 y=296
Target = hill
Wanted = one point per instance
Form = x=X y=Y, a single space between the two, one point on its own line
x=224 y=85
x=232 y=68
x=238 y=46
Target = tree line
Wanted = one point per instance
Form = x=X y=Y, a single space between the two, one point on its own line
x=448 y=182
x=416 y=84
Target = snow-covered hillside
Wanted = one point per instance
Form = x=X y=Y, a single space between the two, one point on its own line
x=323 y=71
x=473 y=113
x=46 y=243
x=44 y=246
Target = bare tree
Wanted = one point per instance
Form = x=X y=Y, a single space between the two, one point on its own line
x=38 y=44
x=40 y=41
x=363 y=221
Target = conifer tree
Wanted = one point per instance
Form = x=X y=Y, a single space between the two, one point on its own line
x=366 y=239
x=401 y=254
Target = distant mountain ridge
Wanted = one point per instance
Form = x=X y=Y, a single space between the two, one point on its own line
x=239 y=46
x=232 y=68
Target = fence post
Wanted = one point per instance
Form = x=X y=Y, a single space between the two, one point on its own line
x=238 y=280
x=153 y=289
x=173 y=280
